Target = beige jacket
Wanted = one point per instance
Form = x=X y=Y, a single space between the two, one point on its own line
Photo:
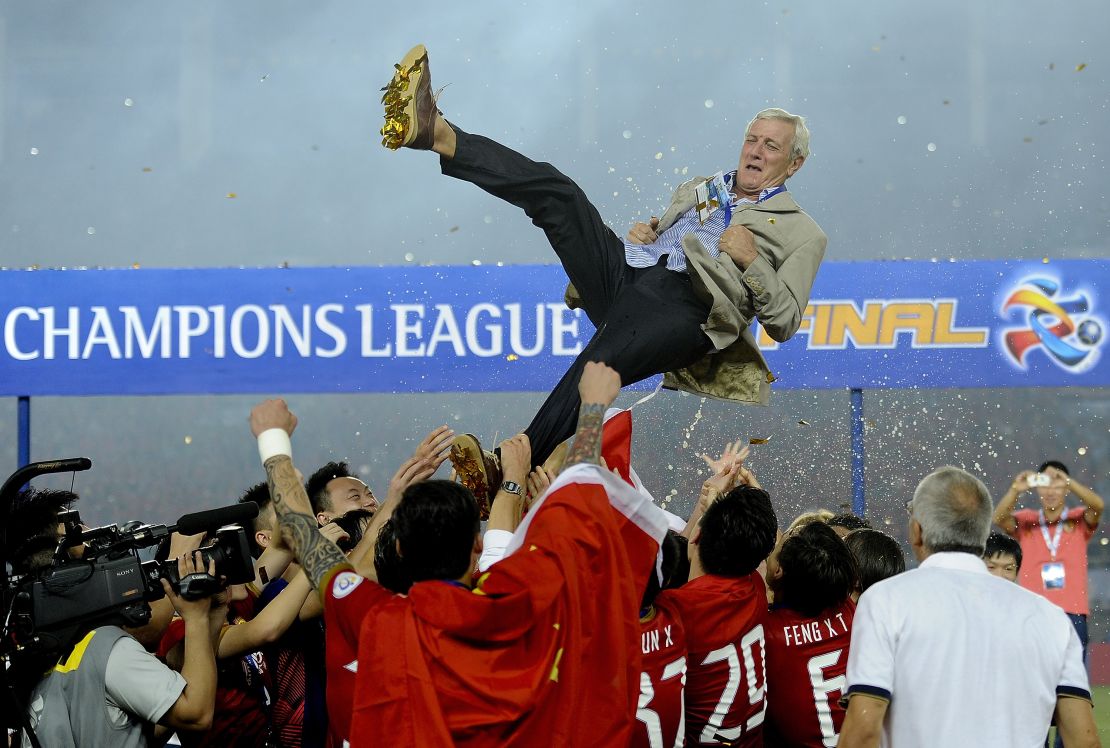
x=774 y=289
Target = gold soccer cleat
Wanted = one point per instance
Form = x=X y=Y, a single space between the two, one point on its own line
x=410 y=108
x=477 y=469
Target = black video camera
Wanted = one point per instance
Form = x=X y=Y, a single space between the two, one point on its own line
x=97 y=578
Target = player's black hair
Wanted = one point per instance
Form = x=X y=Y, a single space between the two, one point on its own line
x=435 y=524
x=32 y=532
x=317 y=485
x=259 y=493
x=673 y=560
x=354 y=523
x=878 y=556
x=388 y=564
x=1056 y=464
x=849 y=522
x=998 y=542
x=737 y=532
x=818 y=570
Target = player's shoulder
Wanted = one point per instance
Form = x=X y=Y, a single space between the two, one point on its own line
x=667 y=610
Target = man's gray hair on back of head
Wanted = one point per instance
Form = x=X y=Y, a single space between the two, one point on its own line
x=954 y=510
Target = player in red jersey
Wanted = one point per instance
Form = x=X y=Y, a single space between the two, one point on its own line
x=660 y=709
x=723 y=607
x=808 y=632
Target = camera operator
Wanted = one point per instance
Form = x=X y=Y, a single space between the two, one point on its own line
x=106 y=689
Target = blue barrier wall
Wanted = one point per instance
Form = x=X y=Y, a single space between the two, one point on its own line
x=441 y=329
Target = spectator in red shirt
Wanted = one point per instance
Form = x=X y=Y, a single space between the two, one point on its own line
x=1053 y=537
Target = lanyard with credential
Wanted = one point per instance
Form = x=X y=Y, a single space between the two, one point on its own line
x=1053 y=543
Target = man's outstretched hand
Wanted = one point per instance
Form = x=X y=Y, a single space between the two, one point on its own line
x=599 y=385
x=272 y=414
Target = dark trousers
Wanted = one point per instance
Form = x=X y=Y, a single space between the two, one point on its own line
x=648 y=320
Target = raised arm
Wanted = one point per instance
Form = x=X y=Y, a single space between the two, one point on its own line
x=726 y=474
x=272 y=424
x=161 y=610
x=507 y=507
x=195 y=706
x=1004 y=512
x=598 y=388
x=1093 y=502
x=425 y=460
x=270 y=622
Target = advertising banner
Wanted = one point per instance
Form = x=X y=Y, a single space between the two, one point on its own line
x=443 y=329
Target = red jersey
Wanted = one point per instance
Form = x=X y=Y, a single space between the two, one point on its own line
x=542 y=652
x=1067 y=586
x=347 y=598
x=726 y=681
x=660 y=709
x=806 y=662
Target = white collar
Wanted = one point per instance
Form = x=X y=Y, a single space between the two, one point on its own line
x=955 y=560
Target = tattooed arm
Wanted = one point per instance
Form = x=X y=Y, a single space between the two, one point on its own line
x=316 y=554
x=598 y=389
x=272 y=424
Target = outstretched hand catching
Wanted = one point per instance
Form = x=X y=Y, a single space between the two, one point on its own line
x=599 y=385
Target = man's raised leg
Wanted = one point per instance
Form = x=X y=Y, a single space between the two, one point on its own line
x=591 y=254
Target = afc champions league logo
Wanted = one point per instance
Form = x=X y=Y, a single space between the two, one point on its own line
x=1055 y=322
x=344 y=584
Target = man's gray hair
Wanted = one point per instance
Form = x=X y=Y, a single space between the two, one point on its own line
x=800 y=143
x=954 y=510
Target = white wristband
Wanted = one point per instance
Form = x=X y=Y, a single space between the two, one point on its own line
x=273 y=442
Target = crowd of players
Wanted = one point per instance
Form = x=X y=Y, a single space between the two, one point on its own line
x=579 y=615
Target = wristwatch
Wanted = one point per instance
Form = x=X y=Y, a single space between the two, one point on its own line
x=512 y=487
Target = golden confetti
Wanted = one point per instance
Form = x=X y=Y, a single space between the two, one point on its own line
x=134 y=266
x=803 y=422
x=188 y=440
x=147 y=170
x=1080 y=66
x=770 y=220
x=231 y=196
x=755 y=440
x=1044 y=260
x=512 y=357
x=1082 y=451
